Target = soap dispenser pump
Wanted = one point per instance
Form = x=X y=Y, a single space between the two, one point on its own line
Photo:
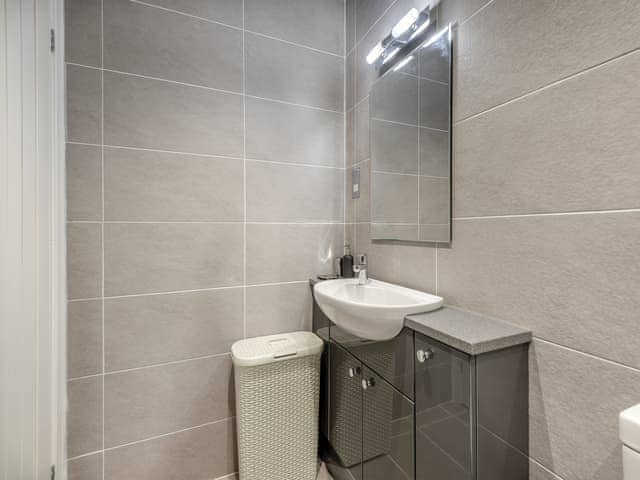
x=346 y=263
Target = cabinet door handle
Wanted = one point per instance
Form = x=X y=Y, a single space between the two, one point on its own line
x=368 y=383
x=424 y=355
x=353 y=372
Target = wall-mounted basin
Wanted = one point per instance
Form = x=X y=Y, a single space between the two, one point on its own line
x=373 y=311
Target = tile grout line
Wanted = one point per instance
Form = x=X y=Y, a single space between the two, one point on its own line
x=244 y=177
x=550 y=214
x=102 y=249
x=242 y=29
x=204 y=87
x=203 y=222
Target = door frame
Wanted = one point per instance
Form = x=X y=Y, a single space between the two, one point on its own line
x=32 y=241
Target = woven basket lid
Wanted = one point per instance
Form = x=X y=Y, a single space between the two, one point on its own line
x=273 y=348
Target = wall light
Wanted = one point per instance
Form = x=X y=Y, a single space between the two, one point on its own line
x=405 y=23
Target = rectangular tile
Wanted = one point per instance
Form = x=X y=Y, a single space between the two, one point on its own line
x=367 y=13
x=394 y=198
x=156 y=186
x=587 y=161
x=350 y=80
x=435 y=197
x=83 y=35
x=85 y=468
x=398 y=98
x=572 y=396
x=141 y=112
x=363 y=204
x=534 y=44
x=350 y=25
x=223 y=11
x=434 y=105
x=306 y=22
x=154 y=329
x=84 y=266
x=572 y=279
x=435 y=156
x=362 y=133
x=458 y=10
x=84 y=110
x=153 y=401
x=84 y=416
x=287 y=133
x=292 y=193
x=395 y=147
x=350 y=203
x=157 y=43
x=410 y=265
x=203 y=452
x=275 y=309
x=350 y=137
x=84 y=182
x=286 y=253
x=151 y=258
x=84 y=338
x=281 y=71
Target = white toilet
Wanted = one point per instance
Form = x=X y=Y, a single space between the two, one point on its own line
x=630 y=436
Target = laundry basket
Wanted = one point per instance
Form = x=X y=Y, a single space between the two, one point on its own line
x=277 y=381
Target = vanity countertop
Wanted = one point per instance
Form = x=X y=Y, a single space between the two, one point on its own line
x=466 y=331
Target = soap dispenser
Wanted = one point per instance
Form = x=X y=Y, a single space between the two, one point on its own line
x=346 y=263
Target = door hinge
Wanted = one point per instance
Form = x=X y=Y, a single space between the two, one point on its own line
x=52 y=37
x=53 y=472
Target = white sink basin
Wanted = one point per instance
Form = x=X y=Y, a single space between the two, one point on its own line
x=374 y=311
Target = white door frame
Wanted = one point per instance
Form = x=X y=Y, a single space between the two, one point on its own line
x=32 y=241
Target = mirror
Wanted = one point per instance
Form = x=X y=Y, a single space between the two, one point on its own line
x=410 y=125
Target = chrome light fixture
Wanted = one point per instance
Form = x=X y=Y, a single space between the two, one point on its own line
x=410 y=26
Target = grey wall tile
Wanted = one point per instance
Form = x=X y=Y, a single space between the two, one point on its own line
x=306 y=22
x=350 y=137
x=84 y=267
x=275 y=309
x=153 y=329
x=224 y=11
x=84 y=338
x=395 y=147
x=574 y=404
x=140 y=112
x=292 y=193
x=350 y=80
x=287 y=133
x=434 y=200
x=385 y=231
x=435 y=233
x=368 y=12
x=410 y=265
x=152 y=401
x=84 y=111
x=350 y=25
x=151 y=258
x=286 y=72
x=145 y=186
x=362 y=133
x=434 y=105
x=451 y=11
x=394 y=198
x=573 y=279
x=350 y=203
x=84 y=416
x=84 y=182
x=85 y=468
x=435 y=157
x=398 y=98
x=286 y=253
x=82 y=22
x=587 y=161
x=535 y=43
x=150 y=41
x=203 y=452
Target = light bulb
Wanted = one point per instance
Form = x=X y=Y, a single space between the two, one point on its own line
x=375 y=53
x=420 y=29
x=405 y=23
x=403 y=63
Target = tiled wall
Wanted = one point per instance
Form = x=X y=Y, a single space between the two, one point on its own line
x=205 y=178
x=546 y=203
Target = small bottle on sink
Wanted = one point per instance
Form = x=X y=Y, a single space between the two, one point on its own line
x=346 y=263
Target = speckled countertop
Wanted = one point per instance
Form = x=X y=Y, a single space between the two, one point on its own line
x=472 y=333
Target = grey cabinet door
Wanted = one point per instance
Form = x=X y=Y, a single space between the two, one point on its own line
x=387 y=430
x=443 y=399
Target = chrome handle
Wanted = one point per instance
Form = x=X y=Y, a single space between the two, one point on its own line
x=424 y=355
x=368 y=383
x=353 y=372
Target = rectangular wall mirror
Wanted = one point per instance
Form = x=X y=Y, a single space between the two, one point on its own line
x=410 y=125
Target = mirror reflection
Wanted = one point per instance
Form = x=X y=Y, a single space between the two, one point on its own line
x=410 y=120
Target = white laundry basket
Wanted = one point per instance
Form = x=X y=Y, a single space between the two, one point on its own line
x=277 y=381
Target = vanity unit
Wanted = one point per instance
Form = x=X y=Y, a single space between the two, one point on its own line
x=445 y=399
